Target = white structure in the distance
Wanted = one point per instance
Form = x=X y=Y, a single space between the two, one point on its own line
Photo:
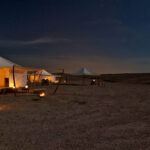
x=46 y=75
x=84 y=71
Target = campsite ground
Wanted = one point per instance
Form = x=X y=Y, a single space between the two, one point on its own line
x=115 y=117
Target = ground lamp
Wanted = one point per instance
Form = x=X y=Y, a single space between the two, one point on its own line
x=26 y=86
x=42 y=94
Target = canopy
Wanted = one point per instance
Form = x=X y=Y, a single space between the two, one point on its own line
x=6 y=63
x=84 y=71
x=43 y=73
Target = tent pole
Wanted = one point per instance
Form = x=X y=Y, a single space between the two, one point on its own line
x=59 y=82
x=14 y=82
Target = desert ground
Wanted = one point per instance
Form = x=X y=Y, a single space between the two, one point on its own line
x=113 y=117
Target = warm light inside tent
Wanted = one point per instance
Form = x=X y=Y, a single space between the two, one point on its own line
x=4 y=76
x=11 y=84
x=38 y=78
x=8 y=76
x=56 y=81
x=49 y=78
x=34 y=78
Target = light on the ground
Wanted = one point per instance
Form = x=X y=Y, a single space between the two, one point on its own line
x=42 y=94
x=4 y=107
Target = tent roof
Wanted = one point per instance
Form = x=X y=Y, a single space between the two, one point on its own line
x=44 y=73
x=84 y=71
x=6 y=63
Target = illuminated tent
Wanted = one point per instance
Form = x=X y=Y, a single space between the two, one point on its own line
x=38 y=76
x=44 y=73
x=84 y=75
x=84 y=71
x=6 y=63
x=6 y=74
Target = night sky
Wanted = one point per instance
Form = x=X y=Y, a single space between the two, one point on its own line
x=106 y=36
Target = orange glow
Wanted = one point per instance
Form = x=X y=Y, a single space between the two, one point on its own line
x=11 y=84
x=38 y=78
x=4 y=73
x=49 y=78
x=3 y=107
x=56 y=81
x=42 y=94
x=34 y=78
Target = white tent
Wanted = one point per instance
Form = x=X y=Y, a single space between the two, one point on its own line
x=46 y=75
x=43 y=73
x=84 y=71
x=6 y=74
x=20 y=78
x=6 y=63
x=39 y=75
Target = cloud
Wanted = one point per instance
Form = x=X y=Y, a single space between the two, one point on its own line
x=13 y=43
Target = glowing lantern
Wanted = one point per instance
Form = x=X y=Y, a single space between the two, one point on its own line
x=42 y=94
x=94 y=80
x=26 y=87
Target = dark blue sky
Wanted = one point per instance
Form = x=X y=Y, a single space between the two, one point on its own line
x=103 y=35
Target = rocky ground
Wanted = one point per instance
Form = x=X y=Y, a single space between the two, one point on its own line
x=114 y=117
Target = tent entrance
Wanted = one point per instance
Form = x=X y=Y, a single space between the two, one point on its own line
x=6 y=82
